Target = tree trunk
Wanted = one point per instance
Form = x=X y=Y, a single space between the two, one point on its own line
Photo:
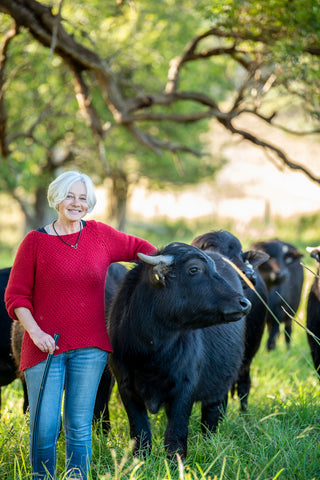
x=119 y=198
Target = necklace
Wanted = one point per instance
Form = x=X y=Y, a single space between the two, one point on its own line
x=75 y=246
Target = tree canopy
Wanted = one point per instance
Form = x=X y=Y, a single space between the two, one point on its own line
x=126 y=89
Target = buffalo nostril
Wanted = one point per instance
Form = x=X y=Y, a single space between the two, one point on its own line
x=246 y=305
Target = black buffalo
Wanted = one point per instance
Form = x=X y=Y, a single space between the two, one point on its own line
x=177 y=328
x=8 y=371
x=247 y=262
x=313 y=312
x=283 y=275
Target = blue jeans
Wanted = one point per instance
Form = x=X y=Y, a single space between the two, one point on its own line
x=77 y=373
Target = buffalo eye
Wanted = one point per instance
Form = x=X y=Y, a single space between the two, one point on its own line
x=194 y=269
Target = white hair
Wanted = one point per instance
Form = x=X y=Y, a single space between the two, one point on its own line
x=60 y=187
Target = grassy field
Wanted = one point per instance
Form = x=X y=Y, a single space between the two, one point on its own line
x=278 y=438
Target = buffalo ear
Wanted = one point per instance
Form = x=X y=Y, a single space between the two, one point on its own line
x=256 y=257
x=292 y=257
x=314 y=252
x=157 y=275
x=161 y=266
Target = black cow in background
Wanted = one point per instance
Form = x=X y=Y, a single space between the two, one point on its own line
x=247 y=262
x=7 y=366
x=313 y=312
x=283 y=276
x=177 y=327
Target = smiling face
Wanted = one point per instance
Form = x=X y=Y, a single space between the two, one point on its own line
x=75 y=206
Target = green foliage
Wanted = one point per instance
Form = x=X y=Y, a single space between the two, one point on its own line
x=285 y=32
x=258 y=54
x=269 y=20
x=300 y=230
x=138 y=40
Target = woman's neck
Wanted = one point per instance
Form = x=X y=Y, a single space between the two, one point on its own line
x=66 y=228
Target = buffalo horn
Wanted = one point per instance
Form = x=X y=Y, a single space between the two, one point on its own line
x=310 y=249
x=156 y=259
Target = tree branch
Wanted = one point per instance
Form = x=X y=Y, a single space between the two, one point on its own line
x=157 y=145
x=4 y=144
x=48 y=30
x=269 y=147
x=91 y=116
x=189 y=54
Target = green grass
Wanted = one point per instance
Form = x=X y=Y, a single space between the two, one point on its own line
x=279 y=436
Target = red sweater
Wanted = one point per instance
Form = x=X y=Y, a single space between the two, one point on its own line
x=64 y=287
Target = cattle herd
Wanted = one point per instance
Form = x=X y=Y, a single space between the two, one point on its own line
x=185 y=325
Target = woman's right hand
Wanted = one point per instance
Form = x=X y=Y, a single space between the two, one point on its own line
x=43 y=341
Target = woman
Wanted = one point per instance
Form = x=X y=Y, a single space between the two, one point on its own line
x=57 y=286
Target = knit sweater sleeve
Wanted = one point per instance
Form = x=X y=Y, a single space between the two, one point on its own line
x=124 y=247
x=19 y=289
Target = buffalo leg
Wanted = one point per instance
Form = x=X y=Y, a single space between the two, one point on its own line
x=176 y=435
x=140 y=430
x=288 y=331
x=101 y=407
x=243 y=386
x=213 y=414
x=315 y=353
x=273 y=329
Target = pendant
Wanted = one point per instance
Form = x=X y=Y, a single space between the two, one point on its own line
x=73 y=246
